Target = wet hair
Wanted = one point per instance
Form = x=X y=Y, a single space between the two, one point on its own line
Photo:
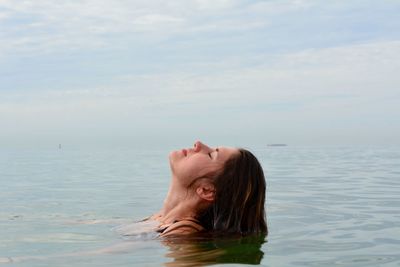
x=239 y=199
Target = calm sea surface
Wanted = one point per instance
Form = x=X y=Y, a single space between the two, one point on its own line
x=326 y=207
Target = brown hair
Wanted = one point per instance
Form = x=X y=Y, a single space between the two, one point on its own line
x=239 y=200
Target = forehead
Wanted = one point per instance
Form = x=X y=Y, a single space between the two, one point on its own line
x=225 y=152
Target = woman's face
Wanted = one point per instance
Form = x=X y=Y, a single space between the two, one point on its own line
x=198 y=161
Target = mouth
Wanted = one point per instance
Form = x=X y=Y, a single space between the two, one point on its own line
x=184 y=151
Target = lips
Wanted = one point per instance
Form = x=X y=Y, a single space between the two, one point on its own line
x=184 y=151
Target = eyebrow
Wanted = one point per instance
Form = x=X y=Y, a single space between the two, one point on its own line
x=217 y=150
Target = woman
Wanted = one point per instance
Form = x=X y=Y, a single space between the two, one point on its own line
x=213 y=189
x=217 y=190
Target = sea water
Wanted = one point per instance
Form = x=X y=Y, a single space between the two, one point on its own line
x=326 y=206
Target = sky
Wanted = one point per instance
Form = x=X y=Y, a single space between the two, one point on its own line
x=229 y=72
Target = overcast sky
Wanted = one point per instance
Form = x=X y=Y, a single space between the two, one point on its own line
x=156 y=72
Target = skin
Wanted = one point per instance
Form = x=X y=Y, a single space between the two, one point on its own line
x=187 y=165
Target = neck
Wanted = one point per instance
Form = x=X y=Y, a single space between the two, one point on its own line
x=178 y=204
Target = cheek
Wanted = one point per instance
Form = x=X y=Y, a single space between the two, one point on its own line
x=198 y=169
x=188 y=169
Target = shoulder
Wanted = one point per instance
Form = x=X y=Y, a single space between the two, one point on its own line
x=184 y=227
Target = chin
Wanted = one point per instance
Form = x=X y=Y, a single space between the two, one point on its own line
x=173 y=157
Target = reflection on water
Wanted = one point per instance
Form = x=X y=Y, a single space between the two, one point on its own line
x=213 y=250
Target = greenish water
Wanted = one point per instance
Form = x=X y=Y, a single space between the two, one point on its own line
x=326 y=207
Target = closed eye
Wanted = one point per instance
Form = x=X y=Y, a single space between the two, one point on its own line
x=209 y=154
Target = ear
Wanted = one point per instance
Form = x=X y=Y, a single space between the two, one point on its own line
x=206 y=191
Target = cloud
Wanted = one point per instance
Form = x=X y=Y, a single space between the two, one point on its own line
x=293 y=66
x=365 y=71
x=44 y=26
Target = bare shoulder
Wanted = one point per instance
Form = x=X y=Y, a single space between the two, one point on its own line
x=184 y=227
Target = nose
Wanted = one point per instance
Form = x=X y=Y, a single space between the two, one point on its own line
x=198 y=146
